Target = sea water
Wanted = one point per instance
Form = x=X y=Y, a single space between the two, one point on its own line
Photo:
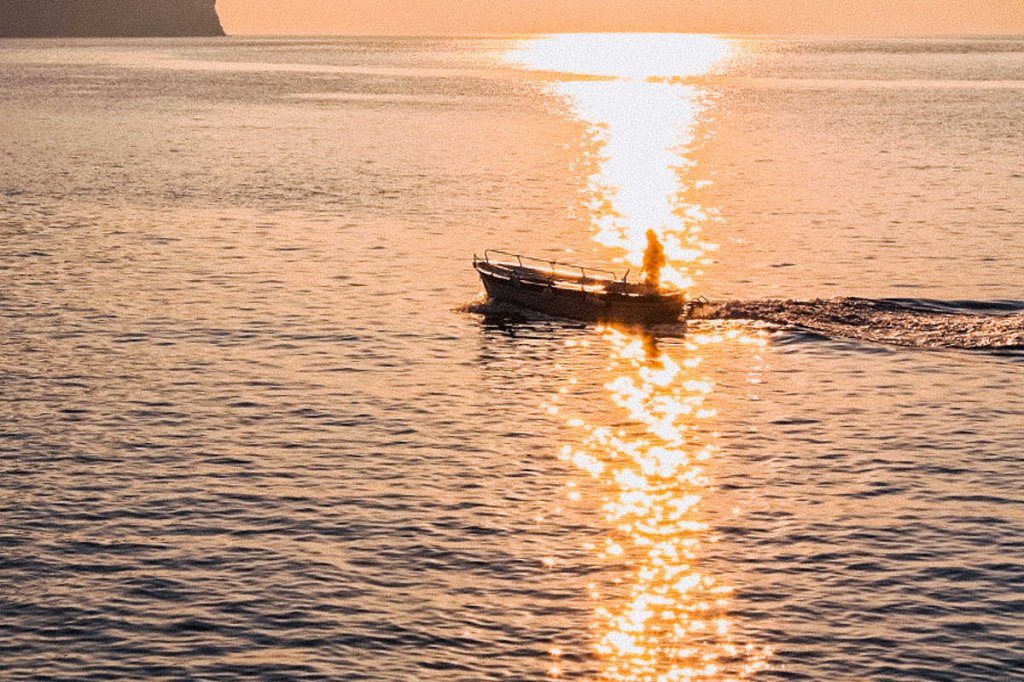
x=251 y=428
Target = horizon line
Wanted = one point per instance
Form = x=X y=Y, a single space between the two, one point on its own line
x=724 y=34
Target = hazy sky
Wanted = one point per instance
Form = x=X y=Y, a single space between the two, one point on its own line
x=437 y=17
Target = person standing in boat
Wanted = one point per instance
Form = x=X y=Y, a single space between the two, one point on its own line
x=654 y=261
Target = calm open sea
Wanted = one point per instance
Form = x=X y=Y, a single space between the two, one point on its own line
x=252 y=424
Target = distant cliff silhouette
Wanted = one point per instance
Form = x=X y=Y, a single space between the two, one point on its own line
x=106 y=18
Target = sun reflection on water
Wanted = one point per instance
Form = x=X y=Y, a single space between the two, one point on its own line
x=640 y=99
x=651 y=470
x=633 y=92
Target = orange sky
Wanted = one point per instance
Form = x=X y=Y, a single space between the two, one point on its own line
x=439 y=17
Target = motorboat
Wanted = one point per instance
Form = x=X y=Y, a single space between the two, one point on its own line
x=575 y=291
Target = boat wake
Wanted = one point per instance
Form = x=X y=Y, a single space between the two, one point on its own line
x=919 y=323
x=993 y=326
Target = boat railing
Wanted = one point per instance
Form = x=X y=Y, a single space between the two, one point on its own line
x=554 y=265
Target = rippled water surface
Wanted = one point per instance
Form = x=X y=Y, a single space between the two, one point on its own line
x=254 y=425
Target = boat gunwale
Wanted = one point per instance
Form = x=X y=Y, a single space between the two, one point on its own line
x=552 y=263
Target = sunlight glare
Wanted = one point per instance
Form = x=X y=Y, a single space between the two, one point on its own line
x=635 y=92
x=673 y=622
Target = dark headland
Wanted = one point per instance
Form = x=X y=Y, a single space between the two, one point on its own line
x=108 y=18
